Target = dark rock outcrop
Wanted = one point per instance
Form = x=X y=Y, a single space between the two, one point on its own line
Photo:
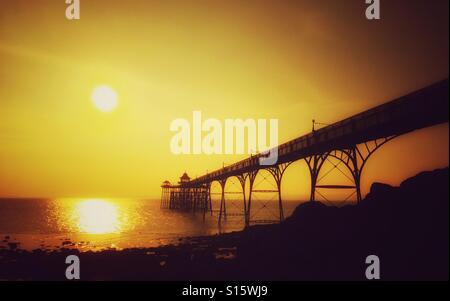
x=407 y=227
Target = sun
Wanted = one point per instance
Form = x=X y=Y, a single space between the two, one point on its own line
x=104 y=98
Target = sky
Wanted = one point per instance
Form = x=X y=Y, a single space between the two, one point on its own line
x=290 y=60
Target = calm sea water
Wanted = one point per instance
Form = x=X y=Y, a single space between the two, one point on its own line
x=95 y=224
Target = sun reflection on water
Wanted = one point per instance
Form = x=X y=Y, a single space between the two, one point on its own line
x=97 y=216
x=92 y=224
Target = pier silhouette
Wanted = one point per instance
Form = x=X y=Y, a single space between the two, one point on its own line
x=351 y=141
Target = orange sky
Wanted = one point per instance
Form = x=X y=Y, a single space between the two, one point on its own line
x=291 y=60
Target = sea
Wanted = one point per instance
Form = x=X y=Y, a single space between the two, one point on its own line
x=94 y=224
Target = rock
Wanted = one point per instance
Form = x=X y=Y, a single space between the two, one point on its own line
x=13 y=245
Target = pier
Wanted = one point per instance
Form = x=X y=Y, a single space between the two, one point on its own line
x=351 y=141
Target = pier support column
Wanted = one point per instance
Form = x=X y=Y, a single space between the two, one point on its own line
x=209 y=198
x=277 y=173
x=193 y=199
x=251 y=178
x=208 y=202
x=315 y=163
x=356 y=172
x=205 y=198
x=242 y=178
x=223 y=208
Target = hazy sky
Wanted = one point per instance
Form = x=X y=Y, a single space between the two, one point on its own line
x=291 y=60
